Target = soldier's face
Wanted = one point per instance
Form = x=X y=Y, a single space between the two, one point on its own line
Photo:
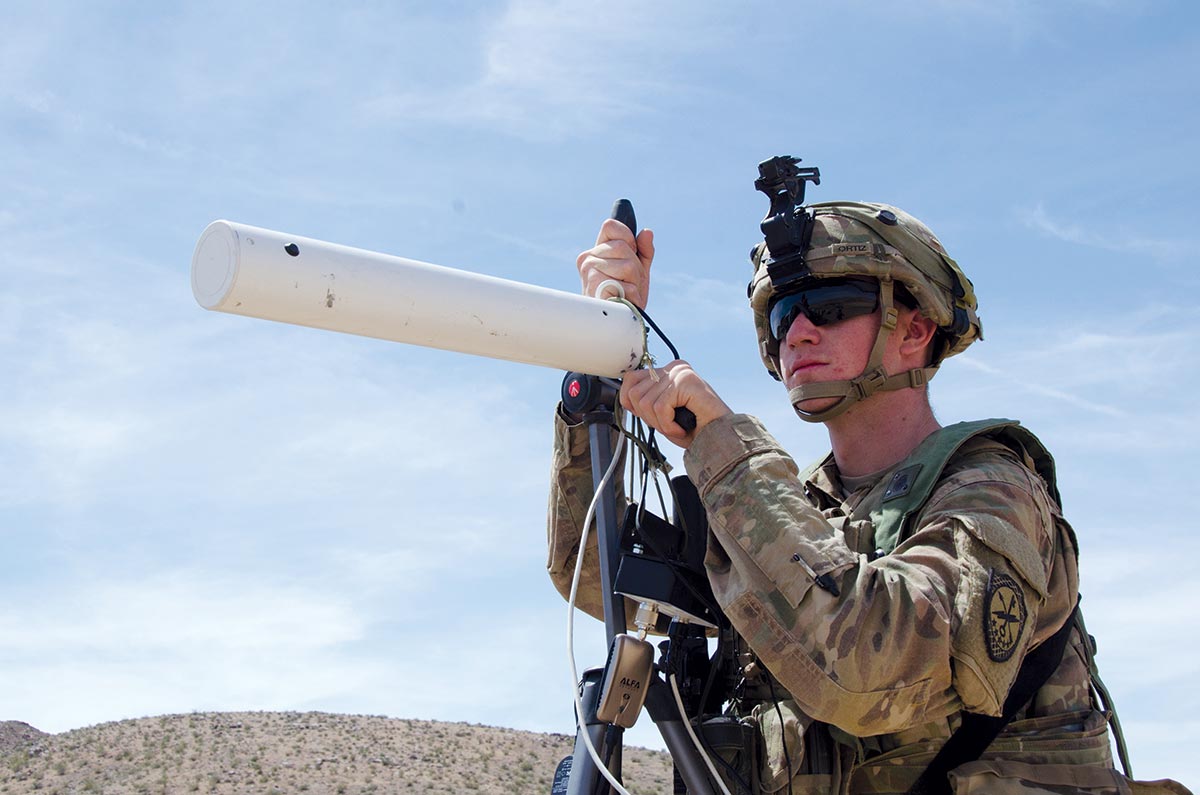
x=839 y=351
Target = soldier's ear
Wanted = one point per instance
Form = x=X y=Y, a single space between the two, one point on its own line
x=918 y=334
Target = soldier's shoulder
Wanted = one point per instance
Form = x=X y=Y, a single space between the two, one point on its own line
x=983 y=458
x=989 y=474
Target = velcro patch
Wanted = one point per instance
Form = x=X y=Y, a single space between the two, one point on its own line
x=902 y=482
x=1005 y=618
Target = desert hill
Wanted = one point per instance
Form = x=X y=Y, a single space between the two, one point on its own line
x=271 y=753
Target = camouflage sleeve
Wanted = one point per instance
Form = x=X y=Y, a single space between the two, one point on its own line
x=570 y=494
x=871 y=646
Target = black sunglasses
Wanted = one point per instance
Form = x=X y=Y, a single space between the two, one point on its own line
x=827 y=301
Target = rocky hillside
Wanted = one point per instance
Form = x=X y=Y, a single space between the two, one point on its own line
x=16 y=736
x=274 y=753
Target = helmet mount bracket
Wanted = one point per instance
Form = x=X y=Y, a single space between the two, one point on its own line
x=787 y=227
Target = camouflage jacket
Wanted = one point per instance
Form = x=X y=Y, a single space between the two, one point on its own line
x=882 y=653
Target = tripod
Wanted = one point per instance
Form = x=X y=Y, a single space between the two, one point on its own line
x=579 y=774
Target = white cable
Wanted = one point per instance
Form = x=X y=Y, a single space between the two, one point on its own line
x=583 y=536
x=696 y=740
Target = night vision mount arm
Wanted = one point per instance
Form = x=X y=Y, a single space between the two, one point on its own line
x=787 y=229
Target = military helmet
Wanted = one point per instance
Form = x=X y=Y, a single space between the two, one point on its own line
x=887 y=244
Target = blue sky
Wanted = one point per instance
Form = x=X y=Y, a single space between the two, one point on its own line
x=201 y=511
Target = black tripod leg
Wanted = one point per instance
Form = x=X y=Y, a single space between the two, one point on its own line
x=608 y=536
x=660 y=703
x=585 y=777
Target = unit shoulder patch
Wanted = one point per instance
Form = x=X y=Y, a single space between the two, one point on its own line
x=1006 y=614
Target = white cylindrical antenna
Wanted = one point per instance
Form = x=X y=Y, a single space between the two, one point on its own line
x=260 y=273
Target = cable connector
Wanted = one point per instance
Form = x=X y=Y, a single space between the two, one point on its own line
x=645 y=618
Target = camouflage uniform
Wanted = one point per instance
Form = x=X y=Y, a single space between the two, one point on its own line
x=885 y=668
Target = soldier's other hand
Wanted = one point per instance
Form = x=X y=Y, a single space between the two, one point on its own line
x=654 y=394
x=618 y=255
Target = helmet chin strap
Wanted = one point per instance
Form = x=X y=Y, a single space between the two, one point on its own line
x=873 y=378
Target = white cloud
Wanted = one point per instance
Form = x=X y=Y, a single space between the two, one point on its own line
x=1163 y=249
x=180 y=613
x=173 y=641
x=465 y=545
x=68 y=448
x=1025 y=21
x=1119 y=379
x=551 y=68
x=1023 y=380
x=697 y=303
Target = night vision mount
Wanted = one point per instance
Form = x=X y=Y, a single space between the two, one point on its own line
x=787 y=228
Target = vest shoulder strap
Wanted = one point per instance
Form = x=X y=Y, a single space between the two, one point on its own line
x=913 y=484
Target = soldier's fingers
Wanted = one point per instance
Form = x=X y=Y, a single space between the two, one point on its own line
x=625 y=269
x=664 y=404
x=593 y=273
x=612 y=229
x=638 y=393
x=633 y=385
x=652 y=396
x=645 y=247
x=595 y=278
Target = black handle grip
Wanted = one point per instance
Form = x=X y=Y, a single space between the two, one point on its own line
x=685 y=419
x=623 y=211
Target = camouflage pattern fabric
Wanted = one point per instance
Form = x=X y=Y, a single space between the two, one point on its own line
x=881 y=653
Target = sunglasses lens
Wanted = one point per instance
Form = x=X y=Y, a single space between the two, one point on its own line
x=824 y=304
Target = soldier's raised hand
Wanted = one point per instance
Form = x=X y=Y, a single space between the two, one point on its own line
x=656 y=394
x=619 y=256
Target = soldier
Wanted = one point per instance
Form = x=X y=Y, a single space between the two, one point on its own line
x=879 y=608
